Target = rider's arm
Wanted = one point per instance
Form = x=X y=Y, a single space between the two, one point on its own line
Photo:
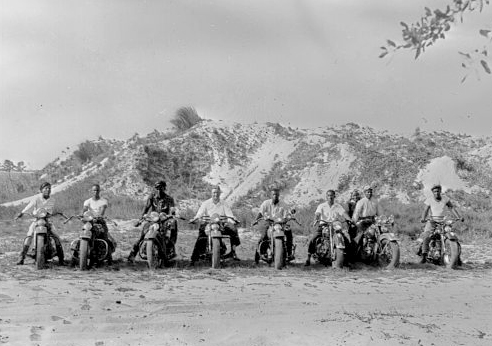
x=201 y=212
x=28 y=207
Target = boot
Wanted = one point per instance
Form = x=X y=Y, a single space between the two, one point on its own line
x=423 y=259
x=59 y=254
x=22 y=255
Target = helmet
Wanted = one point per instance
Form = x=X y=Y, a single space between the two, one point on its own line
x=160 y=183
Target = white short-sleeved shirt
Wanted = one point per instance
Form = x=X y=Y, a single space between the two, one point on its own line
x=366 y=207
x=272 y=211
x=96 y=206
x=39 y=202
x=437 y=208
x=209 y=208
x=330 y=213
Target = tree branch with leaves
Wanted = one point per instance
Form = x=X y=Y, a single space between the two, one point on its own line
x=433 y=25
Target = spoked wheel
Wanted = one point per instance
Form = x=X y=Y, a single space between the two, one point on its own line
x=389 y=257
x=40 y=259
x=83 y=254
x=215 y=253
x=451 y=254
x=152 y=255
x=337 y=262
x=279 y=253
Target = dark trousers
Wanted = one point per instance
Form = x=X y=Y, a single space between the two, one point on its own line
x=201 y=241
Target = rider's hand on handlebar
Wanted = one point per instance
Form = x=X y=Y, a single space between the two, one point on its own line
x=18 y=216
x=423 y=220
x=138 y=223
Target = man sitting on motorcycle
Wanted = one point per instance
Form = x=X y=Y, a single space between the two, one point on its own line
x=97 y=206
x=435 y=205
x=271 y=209
x=42 y=201
x=365 y=212
x=160 y=202
x=327 y=211
x=210 y=207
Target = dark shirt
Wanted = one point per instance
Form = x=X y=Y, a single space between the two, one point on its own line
x=159 y=204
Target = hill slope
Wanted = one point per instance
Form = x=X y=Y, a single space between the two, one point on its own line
x=245 y=159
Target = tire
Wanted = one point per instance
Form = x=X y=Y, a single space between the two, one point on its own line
x=152 y=255
x=339 y=259
x=215 y=253
x=279 y=253
x=451 y=255
x=390 y=258
x=83 y=254
x=257 y=257
x=40 y=258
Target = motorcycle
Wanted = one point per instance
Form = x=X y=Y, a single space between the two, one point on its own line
x=330 y=247
x=215 y=249
x=157 y=248
x=444 y=246
x=274 y=249
x=379 y=243
x=44 y=246
x=90 y=248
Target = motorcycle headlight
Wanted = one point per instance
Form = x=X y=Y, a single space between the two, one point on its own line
x=277 y=227
x=153 y=216
x=215 y=227
x=337 y=226
x=41 y=213
x=87 y=226
x=447 y=228
x=384 y=229
x=41 y=222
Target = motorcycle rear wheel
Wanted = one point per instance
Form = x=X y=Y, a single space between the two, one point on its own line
x=40 y=247
x=451 y=254
x=389 y=258
x=279 y=253
x=83 y=254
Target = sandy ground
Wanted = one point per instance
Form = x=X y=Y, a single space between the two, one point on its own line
x=242 y=304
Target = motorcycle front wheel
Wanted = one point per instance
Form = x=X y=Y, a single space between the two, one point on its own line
x=389 y=257
x=337 y=263
x=40 y=258
x=279 y=253
x=451 y=254
x=152 y=255
x=215 y=253
x=83 y=254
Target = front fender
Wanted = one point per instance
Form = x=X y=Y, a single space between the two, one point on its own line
x=86 y=233
x=389 y=237
x=216 y=233
x=278 y=234
x=452 y=236
x=41 y=230
x=153 y=232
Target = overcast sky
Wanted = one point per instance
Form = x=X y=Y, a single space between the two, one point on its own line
x=74 y=70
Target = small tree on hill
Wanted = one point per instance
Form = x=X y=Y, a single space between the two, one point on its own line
x=185 y=118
